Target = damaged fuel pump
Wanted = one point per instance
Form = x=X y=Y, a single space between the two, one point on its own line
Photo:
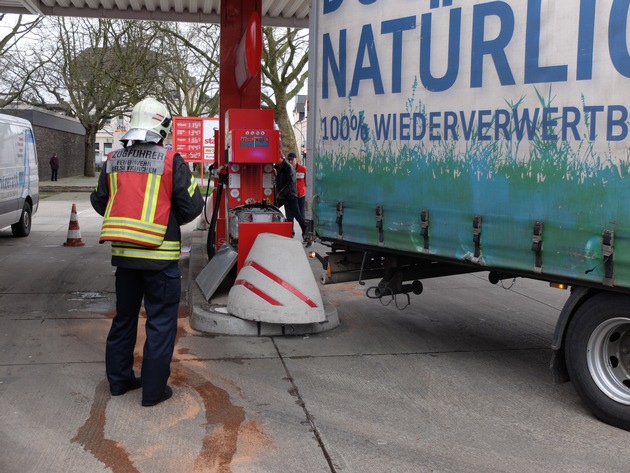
x=243 y=198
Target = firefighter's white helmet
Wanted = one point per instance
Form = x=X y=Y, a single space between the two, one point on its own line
x=150 y=122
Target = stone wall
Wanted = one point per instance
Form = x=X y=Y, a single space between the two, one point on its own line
x=55 y=134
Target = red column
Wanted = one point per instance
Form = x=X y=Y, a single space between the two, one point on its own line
x=235 y=16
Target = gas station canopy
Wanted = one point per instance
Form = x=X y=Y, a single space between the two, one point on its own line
x=287 y=13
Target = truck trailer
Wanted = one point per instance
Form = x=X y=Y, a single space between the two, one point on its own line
x=452 y=137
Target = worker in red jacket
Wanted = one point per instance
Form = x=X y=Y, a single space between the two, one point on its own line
x=144 y=194
x=300 y=180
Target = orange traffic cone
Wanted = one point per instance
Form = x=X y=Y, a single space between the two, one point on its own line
x=74 y=233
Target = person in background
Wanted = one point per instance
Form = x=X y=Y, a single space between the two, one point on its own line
x=300 y=180
x=54 y=167
x=286 y=193
x=144 y=194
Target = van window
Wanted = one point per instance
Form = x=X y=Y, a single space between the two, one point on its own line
x=30 y=159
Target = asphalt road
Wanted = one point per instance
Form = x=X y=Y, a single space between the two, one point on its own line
x=456 y=382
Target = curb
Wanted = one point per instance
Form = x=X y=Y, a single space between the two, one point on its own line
x=214 y=319
x=57 y=189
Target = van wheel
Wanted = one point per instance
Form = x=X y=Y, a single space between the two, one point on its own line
x=598 y=356
x=23 y=227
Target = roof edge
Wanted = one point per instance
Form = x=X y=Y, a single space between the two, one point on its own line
x=145 y=15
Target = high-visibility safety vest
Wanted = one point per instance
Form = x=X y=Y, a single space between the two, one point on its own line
x=140 y=180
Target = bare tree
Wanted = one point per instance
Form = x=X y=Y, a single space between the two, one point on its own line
x=284 y=74
x=190 y=68
x=95 y=69
x=102 y=67
x=15 y=61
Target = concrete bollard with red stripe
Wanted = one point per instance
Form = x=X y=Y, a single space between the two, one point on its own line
x=74 y=232
x=276 y=284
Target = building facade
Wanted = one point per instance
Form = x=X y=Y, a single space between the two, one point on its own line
x=54 y=134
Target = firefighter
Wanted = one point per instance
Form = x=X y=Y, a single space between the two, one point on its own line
x=144 y=194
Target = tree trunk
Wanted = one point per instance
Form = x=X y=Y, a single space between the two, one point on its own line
x=88 y=158
x=287 y=134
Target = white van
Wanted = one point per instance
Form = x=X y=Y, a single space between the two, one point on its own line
x=19 y=181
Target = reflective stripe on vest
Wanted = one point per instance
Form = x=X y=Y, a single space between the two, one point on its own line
x=168 y=251
x=140 y=199
x=128 y=229
x=150 y=197
x=192 y=186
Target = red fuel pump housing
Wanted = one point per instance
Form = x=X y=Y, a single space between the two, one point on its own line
x=252 y=147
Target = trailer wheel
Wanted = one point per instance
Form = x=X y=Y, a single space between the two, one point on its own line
x=23 y=227
x=597 y=351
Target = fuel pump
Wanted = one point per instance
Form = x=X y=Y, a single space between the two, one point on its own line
x=253 y=146
x=265 y=288
x=244 y=195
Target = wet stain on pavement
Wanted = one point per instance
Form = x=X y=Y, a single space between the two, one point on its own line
x=91 y=435
x=225 y=426
x=224 y=421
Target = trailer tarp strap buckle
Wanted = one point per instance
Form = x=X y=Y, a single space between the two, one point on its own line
x=537 y=245
x=379 y=224
x=477 y=235
x=424 y=229
x=608 y=242
x=339 y=220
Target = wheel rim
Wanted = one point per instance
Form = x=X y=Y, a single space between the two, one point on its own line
x=27 y=220
x=608 y=357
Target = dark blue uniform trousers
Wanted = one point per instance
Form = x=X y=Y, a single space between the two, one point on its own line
x=161 y=291
x=292 y=211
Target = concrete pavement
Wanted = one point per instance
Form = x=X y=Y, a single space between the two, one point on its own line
x=457 y=382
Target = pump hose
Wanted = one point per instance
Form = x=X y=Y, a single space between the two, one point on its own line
x=210 y=247
x=205 y=200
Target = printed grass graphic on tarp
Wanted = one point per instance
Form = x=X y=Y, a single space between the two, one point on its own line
x=575 y=191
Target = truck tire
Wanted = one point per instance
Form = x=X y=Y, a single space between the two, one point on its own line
x=597 y=350
x=23 y=227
